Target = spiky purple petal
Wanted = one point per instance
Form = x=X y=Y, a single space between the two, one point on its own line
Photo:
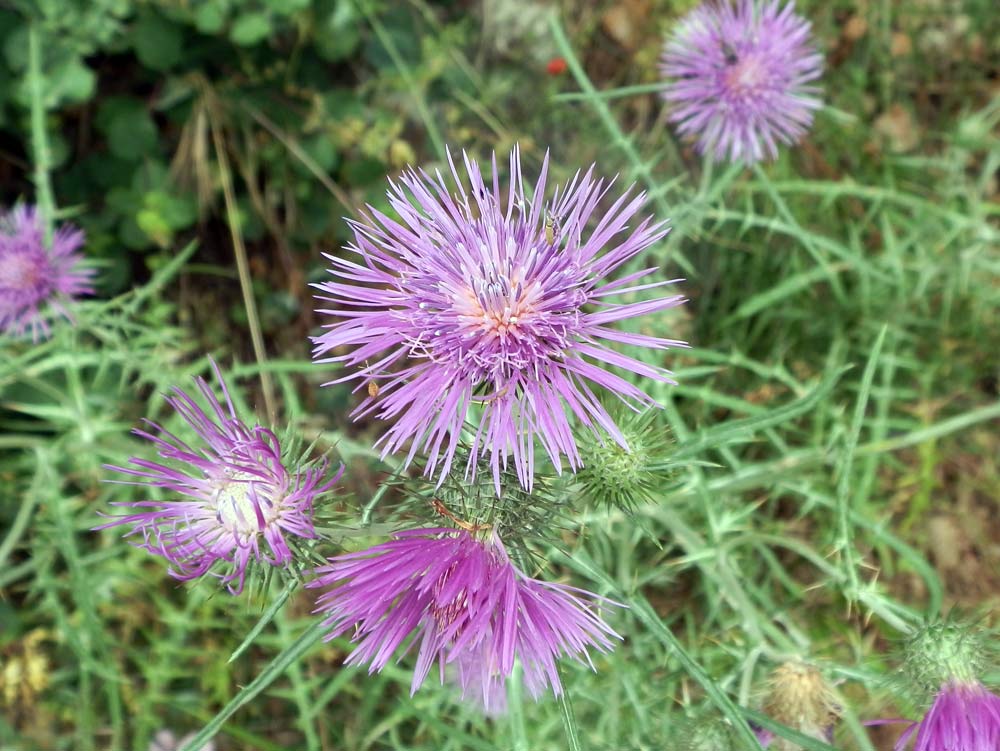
x=740 y=78
x=964 y=717
x=476 y=303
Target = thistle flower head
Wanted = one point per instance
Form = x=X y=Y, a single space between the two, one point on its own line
x=965 y=716
x=494 y=304
x=456 y=597
x=799 y=697
x=33 y=276
x=740 y=75
x=943 y=662
x=238 y=503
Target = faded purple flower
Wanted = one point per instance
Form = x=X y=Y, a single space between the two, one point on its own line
x=33 y=277
x=965 y=716
x=491 y=309
x=459 y=601
x=238 y=502
x=741 y=74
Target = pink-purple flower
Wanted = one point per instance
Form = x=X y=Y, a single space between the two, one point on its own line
x=965 y=716
x=235 y=501
x=741 y=74
x=455 y=597
x=33 y=277
x=490 y=310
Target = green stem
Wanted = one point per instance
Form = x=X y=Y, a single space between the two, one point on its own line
x=25 y=509
x=411 y=83
x=300 y=691
x=243 y=269
x=39 y=138
x=515 y=691
x=276 y=668
x=845 y=542
x=569 y=722
x=265 y=619
x=619 y=138
x=623 y=91
x=646 y=615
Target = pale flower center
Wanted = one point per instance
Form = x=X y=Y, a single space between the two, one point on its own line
x=499 y=310
x=20 y=272
x=746 y=77
x=241 y=504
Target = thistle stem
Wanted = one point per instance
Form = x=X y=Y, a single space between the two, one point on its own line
x=243 y=269
x=39 y=137
x=276 y=668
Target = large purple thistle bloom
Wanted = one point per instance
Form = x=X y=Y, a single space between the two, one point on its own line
x=238 y=501
x=459 y=601
x=33 y=277
x=741 y=74
x=492 y=303
x=965 y=716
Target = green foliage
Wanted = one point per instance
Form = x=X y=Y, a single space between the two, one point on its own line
x=832 y=471
x=252 y=77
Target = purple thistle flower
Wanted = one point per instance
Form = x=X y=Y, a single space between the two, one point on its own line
x=741 y=73
x=239 y=502
x=464 y=604
x=965 y=716
x=491 y=307
x=32 y=276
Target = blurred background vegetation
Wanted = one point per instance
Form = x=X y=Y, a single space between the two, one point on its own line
x=835 y=423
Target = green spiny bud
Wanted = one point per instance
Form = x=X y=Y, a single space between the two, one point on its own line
x=703 y=733
x=613 y=475
x=946 y=651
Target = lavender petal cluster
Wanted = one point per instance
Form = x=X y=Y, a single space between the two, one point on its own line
x=34 y=277
x=740 y=78
x=965 y=716
x=455 y=597
x=234 y=500
x=490 y=311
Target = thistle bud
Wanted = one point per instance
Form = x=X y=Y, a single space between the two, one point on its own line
x=614 y=475
x=942 y=652
x=799 y=698
x=946 y=660
x=703 y=732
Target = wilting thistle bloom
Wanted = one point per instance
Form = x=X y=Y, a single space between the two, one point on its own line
x=740 y=78
x=492 y=307
x=799 y=698
x=964 y=715
x=459 y=601
x=238 y=502
x=32 y=276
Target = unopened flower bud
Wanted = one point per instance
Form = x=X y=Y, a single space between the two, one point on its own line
x=614 y=475
x=942 y=652
x=703 y=733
